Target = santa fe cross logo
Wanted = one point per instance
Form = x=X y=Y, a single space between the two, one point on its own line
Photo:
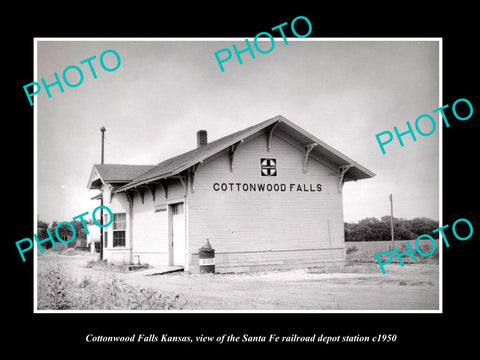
x=268 y=167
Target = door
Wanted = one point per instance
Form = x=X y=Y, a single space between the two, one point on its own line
x=178 y=234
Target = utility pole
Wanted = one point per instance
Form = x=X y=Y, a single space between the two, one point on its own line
x=102 y=129
x=391 y=220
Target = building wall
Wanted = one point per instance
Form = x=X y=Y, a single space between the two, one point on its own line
x=151 y=226
x=121 y=254
x=150 y=231
x=279 y=229
x=290 y=228
x=147 y=230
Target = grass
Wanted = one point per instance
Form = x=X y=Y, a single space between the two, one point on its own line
x=105 y=265
x=57 y=291
x=365 y=251
x=120 y=267
x=349 y=268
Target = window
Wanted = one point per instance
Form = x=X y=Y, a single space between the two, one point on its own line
x=119 y=227
x=119 y=238
x=105 y=239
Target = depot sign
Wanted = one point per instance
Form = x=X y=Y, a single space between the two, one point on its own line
x=259 y=187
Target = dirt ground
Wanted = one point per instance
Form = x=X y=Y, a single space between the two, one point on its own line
x=355 y=287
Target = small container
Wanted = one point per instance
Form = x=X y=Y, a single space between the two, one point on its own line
x=206 y=258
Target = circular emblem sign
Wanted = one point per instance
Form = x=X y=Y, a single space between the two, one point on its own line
x=268 y=167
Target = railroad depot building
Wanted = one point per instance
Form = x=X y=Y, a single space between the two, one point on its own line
x=266 y=197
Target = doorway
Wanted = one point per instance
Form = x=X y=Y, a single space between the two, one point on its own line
x=178 y=244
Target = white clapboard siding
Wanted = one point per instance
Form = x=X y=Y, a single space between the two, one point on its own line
x=150 y=233
x=259 y=223
x=150 y=229
x=248 y=229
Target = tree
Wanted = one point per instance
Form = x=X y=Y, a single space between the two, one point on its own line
x=423 y=225
x=64 y=231
x=401 y=230
x=42 y=227
x=372 y=229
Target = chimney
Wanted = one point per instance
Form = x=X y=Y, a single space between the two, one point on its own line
x=201 y=138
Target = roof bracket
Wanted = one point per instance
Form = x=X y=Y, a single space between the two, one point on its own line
x=233 y=148
x=308 y=149
x=183 y=179
x=342 y=171
x=270 y=134
x=164 y=185
x=129 y=194
x=193 y=170
x=140 y=191
x=152 y=190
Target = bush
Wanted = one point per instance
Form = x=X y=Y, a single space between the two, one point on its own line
x=426 y=249
x=105 y=265
x=351 y=250
x=373 y=229
x=56 y=291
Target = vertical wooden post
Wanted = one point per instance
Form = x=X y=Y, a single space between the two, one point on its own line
x=391 y=221
x=102 y=129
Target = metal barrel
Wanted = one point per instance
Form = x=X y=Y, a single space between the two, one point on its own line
x=206 y=258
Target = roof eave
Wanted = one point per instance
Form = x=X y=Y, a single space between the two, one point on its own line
x=94 y=177
x=132 y=184
x=330 y=150
x=340 y=158
x=205 y=156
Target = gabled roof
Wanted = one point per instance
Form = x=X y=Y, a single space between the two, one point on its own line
x=177 y=164
x=115 y=173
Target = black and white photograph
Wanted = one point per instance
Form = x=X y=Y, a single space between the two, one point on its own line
x=232 y=190
x=281 y=185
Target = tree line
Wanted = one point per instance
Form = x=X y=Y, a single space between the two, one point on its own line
x=373 y=229
x=63 y=230
x=368 y=229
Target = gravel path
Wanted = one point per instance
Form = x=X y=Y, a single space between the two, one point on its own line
x=412 y=287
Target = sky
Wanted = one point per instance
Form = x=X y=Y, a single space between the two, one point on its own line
x=342 y=92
